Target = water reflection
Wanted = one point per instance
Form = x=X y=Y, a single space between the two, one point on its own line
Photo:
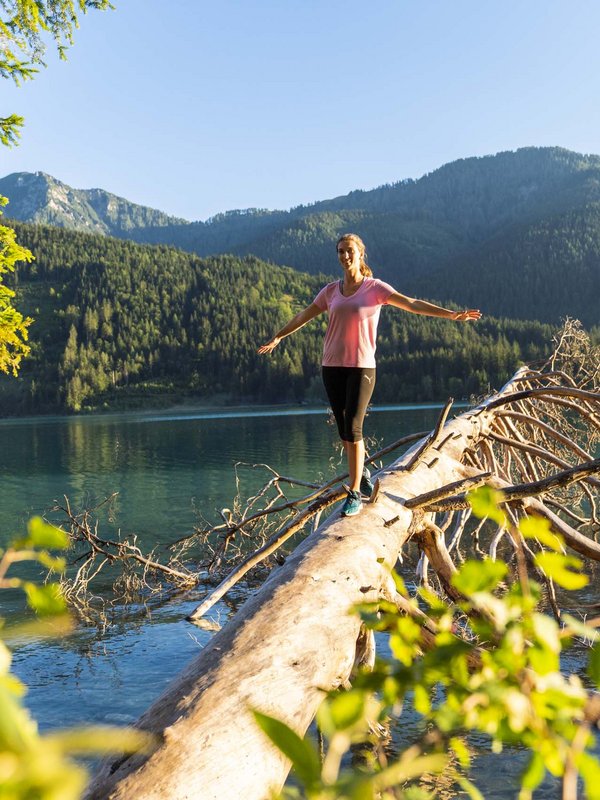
x=163 y=468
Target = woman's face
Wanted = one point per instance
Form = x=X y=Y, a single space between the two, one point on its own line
x=349 y=254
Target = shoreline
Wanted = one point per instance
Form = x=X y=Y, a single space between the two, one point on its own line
x=210 y=411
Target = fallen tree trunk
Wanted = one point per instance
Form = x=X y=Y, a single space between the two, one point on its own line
x=296 y=638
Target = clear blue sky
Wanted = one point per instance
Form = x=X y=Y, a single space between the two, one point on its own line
x=198 y=106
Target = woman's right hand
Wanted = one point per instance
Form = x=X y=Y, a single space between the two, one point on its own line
x=269 y=346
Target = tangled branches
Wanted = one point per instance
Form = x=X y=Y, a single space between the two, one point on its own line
x=247 y=538
x=541 y=450
x=132 y=575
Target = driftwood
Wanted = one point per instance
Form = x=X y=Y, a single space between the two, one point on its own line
x=295 y=637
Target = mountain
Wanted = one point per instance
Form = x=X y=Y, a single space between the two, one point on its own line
x=499 y=232
x=37 y=197
x=123 y=325
x=546 y=270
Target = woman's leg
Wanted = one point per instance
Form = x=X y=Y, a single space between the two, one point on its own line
x=349 y=390
x=359 y=390
x=335 y=380
x=355 y=456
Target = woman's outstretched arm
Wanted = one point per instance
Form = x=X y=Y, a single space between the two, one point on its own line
x=429 y=309
x=304 y=316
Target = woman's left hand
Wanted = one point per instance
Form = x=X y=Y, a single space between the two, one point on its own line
x=470 y=315
x=269 y=346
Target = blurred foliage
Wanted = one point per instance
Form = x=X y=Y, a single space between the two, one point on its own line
x=497 y=673
x=31 y=765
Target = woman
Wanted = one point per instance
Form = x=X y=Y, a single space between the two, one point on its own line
x=354 y=304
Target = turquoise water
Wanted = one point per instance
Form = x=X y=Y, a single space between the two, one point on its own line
x=168 y=470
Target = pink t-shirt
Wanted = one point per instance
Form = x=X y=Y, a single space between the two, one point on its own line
x=351 y=335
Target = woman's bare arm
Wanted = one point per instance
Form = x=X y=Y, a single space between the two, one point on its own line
x=304 y=316
x=429 y=309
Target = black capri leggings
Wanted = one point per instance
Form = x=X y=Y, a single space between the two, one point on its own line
x=349 y=390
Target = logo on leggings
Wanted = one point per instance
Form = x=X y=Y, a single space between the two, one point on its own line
x=368 y=377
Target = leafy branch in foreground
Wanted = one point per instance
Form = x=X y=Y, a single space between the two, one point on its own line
x=13 y=325
x=497 y=673
x=25 y=26
x=32 y=765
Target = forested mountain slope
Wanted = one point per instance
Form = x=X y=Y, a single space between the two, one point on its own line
x=515 y=234
x=119 y=324
x=545 y=270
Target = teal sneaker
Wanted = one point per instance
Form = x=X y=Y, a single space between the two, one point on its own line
x=366 y=486
x=352 y=504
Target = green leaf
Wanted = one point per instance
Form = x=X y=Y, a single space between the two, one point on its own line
x=355 y=788
x=301 y=753
x=52 y=563
x=400 y=585
x=546 y=632
x=436 y=605
x=461 y=751
x=479 y=576
x=469 y=787
x=18 y=732
x=101 y=740
x=534 y=772
x=391 y=691
x=409 y=767
x=12 y=684
x=542 y=661
x=539 y=528
x=556 y=566
x=594 y=665
x=346 y=708
x=45 y=600
x=41 y=534
x=485 y=502
x=5 y=658
x=589 y=769
x=422 y=700
x=417 y=793
x=404 y=642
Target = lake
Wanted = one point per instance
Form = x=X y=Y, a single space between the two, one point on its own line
x=168 y=470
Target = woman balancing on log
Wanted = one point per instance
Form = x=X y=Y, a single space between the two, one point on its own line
x=353 y=304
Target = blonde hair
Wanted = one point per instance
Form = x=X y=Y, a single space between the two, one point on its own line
x=365 y=269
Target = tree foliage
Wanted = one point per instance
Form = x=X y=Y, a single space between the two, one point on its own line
x=543 y=269
x=24 y=26
x=121 y=323
x=13 y=325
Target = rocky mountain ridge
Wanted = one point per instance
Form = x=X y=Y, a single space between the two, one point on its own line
x=41 y=198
